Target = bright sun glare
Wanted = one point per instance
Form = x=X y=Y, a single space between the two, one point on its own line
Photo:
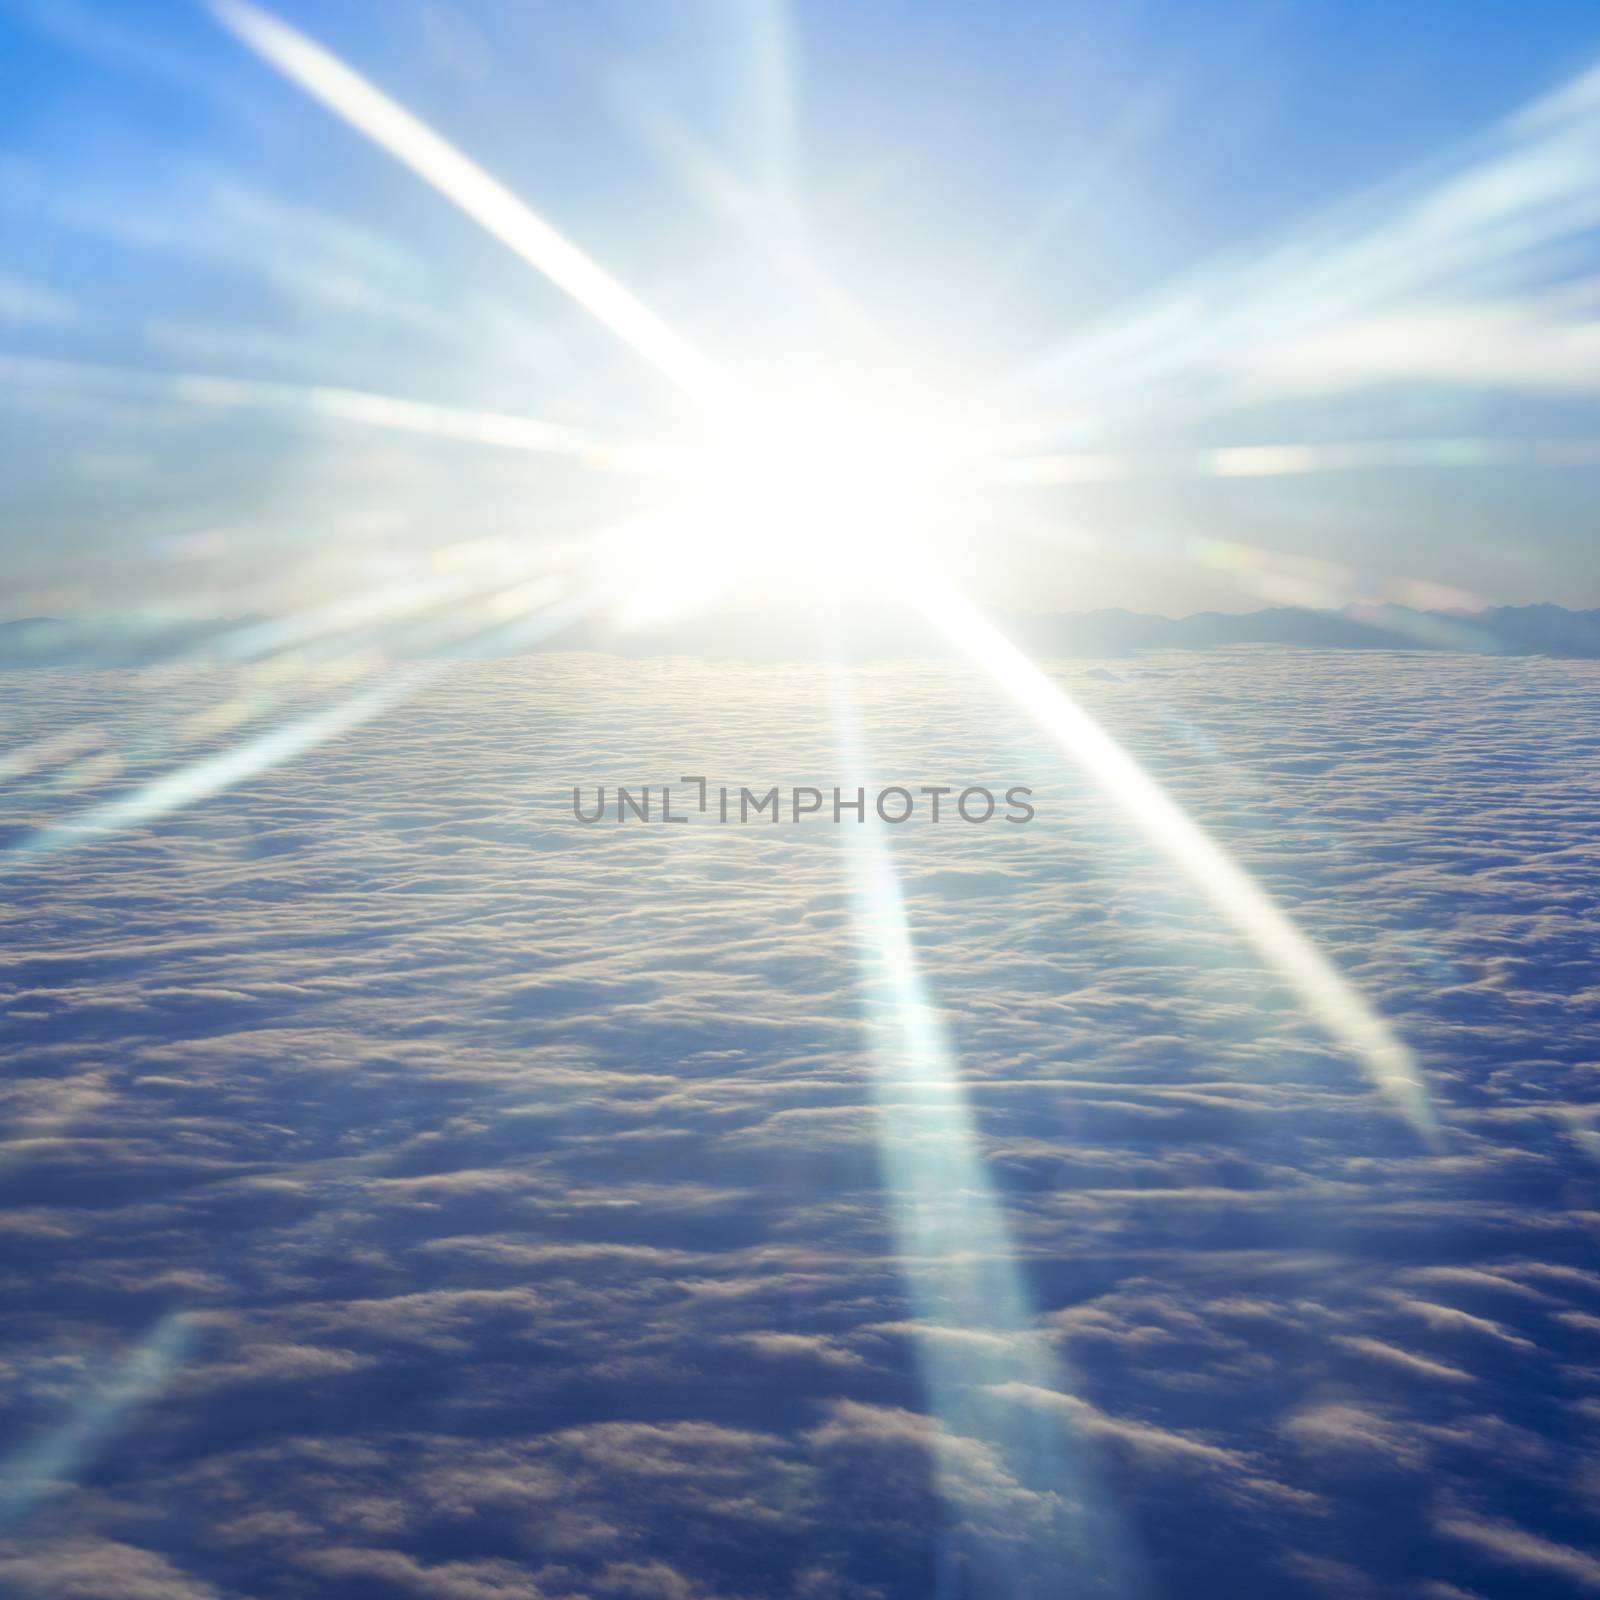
x=817 y=487
x=824 y=484
x=828 y=474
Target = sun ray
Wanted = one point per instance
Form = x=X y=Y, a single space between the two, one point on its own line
x=1285 y=949
x=54 y=1463
x=974 y=1327
x=198 y=780
x=1286 y=460
x=1410 y=606
x=1281 y=945
x=766 y=216
x=318 y=403
x=483 y=198
x=1438 y=277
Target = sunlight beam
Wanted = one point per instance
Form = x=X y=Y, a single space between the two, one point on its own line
x=973 y=1326
x=360 y=408
x=1253 y=914
x=500 y=212
x=1286 y=460
x=483 y=198
x=56 y=1462
x=1436 y=278
x=198 y=780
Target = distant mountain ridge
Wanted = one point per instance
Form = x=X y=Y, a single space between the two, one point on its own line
x=1544 y=629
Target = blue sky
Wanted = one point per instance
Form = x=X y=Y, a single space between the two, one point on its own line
x=985 y=183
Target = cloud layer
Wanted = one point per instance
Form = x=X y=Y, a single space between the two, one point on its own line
x=410 y=1191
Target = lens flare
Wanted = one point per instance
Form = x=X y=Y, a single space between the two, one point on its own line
x=487 y=201
x=1279 y=943
x=827 y=461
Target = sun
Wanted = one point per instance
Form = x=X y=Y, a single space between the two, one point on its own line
x=819 y=487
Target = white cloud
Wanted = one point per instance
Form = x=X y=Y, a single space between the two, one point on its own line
x=524 y=1190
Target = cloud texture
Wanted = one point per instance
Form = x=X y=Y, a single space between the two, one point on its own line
x=411 y=1192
